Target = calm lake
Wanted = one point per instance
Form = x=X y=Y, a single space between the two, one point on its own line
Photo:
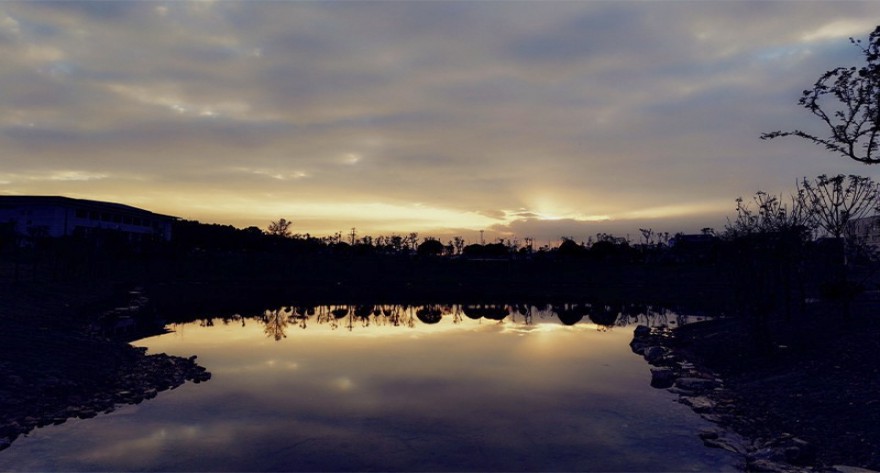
x=415 y=388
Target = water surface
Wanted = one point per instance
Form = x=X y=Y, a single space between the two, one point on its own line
x=332 y=391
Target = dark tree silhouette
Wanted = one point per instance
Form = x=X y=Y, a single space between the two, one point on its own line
x=847 y=101
x=430 y=247
x=279 y=228
x=458 y=243
x=570 y=247
x=835 y=202
x=771 y=215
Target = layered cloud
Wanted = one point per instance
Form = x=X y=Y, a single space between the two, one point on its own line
x=520 y=119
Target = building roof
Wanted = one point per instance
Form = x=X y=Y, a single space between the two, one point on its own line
x=12 y=201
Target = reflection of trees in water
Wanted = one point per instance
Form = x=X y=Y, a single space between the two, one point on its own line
x=455 y=311
x=301 y=316
x=429 y=314
x=543 y=311
x=525 y=310
x=569 y=314
x=389 y=314
x=605 y=315
x=486 y=311
x=363 y=311
x=225 y=320
x=654 y=316
x=275 y=322
x=339 y=312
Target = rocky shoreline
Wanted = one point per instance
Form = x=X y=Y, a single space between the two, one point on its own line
x=26 y=404
x=50 y=373
x=741 y=427
x=704 y=391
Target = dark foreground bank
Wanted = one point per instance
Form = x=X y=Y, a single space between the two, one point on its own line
x=53 y=369
x=787 y=395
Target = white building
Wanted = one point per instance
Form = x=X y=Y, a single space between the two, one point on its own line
x=55 y=216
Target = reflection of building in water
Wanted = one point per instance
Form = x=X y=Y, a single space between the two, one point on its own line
x=54 y=216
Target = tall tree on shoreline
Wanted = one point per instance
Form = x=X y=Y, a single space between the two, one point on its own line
x=847 y=101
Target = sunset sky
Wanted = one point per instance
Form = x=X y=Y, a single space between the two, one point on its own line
x=526 y=118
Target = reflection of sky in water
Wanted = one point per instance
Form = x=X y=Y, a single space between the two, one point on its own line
x=473 y=395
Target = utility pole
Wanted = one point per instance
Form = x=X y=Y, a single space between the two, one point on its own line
x=482 y=242
x=353 y=233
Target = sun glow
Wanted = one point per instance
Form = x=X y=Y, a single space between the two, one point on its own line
x=839 y=29
x=367 y=216
x=551 y=208
x=678 y=210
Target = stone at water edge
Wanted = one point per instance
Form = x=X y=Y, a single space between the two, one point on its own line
x=852 y=469
x=708 y=435
x=642 y=331
x=699 y=404
x=662 y=378
x=695 y=384
x=654 y=354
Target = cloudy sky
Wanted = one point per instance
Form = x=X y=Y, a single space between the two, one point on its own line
x=521 y=118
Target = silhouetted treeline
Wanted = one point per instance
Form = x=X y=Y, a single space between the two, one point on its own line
x=211 y=265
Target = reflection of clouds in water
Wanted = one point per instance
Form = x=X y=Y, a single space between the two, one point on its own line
x=343 y=384
x=550 y=397
x=282 y=364
x=521 y=329
x=270 y=364
x=150 y=448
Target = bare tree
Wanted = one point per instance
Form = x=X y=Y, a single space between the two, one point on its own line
x=647 y=235
x=770 y=215
x=847 y=101
x=835 y=202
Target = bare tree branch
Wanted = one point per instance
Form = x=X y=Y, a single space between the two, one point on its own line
x=847 y=101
